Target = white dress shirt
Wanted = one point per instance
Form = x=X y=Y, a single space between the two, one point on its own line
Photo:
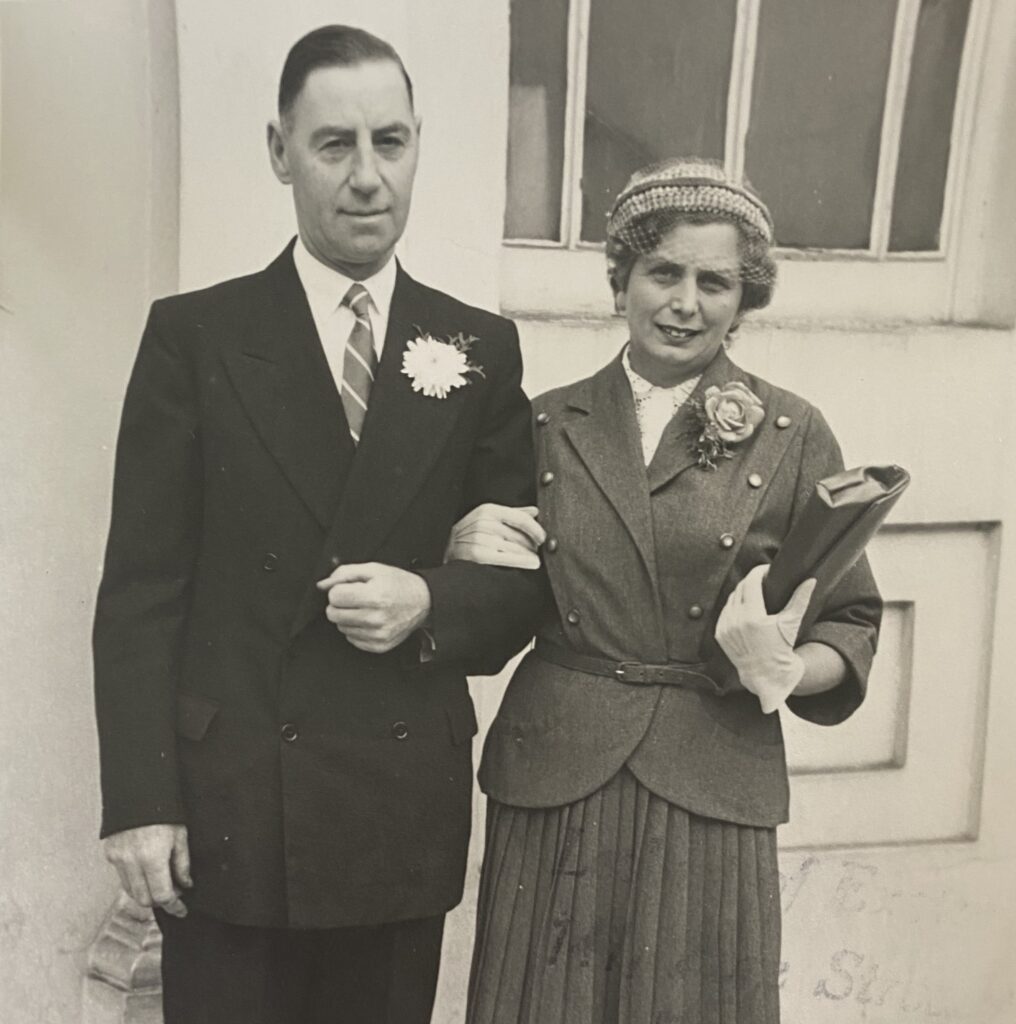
x=326 y=288
x=655 y=407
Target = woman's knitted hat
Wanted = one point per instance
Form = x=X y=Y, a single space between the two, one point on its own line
x=686 y=186
x=660 y=195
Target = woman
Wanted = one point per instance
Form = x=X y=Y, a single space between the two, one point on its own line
x=634 y=776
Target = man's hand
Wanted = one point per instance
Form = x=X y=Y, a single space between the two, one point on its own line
x=153 y=862
x=498 y=535
x=376 y=606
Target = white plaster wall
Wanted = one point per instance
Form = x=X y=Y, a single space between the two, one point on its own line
x=76 y=221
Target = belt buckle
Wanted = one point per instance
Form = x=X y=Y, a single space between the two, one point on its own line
x=626 y=672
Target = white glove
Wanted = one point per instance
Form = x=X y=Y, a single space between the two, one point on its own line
x=498 y=535
x=761 y=646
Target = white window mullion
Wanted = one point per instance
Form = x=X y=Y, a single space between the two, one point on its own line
x=742 y=77
x=575 y=122
x=962 y=138
x=904 y=34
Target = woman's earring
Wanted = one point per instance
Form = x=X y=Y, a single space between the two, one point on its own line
x=731 y=331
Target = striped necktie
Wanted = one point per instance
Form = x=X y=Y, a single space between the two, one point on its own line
x=360 y=362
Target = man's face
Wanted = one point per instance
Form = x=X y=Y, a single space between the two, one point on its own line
x=348 y=146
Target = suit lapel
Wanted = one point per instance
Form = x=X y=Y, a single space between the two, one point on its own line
x=675 y=452
x=280 y=373
x=607 y=441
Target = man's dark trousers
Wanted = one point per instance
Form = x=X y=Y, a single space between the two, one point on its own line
x=218 y=973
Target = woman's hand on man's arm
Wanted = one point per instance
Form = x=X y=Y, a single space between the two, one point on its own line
x=497 y=535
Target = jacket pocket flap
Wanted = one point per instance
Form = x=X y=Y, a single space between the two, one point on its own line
x=462 y=722
x=193 y=715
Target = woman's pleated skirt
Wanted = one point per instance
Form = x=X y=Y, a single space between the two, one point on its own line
x=624 y=909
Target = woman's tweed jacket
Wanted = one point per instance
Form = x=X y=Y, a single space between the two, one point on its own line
x=640 y=564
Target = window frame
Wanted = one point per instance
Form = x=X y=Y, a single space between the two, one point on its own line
x=903 y=285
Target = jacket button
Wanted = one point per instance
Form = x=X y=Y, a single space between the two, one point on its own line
x=551 y=544
x=783 y=422
x=414 y=562
x=543 y=418
x=573 y=617
x=546 y=477
x=289 y=732
x=726 y=540
x=400 y=731
x=754 y=480
x=270 y=562
x=695 y=611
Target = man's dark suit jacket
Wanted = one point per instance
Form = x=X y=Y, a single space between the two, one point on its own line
x=321 y=786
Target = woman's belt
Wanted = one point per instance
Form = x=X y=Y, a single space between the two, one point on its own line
x=689 y=675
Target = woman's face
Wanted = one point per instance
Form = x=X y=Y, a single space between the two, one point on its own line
x=681 y=300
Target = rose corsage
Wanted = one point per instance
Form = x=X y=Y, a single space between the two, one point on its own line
x=724 y=416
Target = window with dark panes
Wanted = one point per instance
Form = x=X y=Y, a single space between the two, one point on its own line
x=839 y=111
x=656 y=84
x=536 y=119
x=925 y=142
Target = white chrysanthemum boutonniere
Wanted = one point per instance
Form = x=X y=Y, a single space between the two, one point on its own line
x=437 y=367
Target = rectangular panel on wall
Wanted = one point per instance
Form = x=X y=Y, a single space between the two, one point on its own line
x=656 y=87
x=875 y=736
x=927 y=122
x=537 y=99
x=907 y=767
x=812 y=147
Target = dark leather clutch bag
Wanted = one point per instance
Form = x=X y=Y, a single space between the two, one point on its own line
x=841 y=516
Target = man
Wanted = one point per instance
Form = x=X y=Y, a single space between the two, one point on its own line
x=280 y=654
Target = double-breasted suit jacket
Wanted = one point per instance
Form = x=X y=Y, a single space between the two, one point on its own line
x=321 y=785
x=641 y=561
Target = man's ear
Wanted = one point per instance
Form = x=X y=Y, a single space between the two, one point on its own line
x=620 y=302
x=276 y=137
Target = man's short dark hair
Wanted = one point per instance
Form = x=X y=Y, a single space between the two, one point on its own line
x=332 y=46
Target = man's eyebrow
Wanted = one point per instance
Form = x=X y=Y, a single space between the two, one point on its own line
x=332 y=130
x=399 y=128
x=395 y=128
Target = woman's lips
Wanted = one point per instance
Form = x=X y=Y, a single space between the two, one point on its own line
x=677 y=333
